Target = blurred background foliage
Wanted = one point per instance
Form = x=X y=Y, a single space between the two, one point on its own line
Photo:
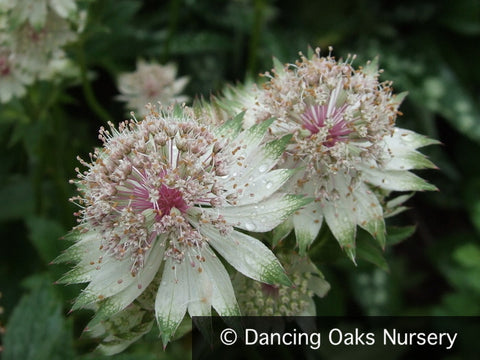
x=427 y=47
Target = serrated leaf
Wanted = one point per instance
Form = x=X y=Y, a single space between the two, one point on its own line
x=37 y=330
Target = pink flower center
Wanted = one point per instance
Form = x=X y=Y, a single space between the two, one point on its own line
x=151 y=88
x=315 y=117
x=37 y=36
x=4 y=66
x=170 y=198
x=162 y=201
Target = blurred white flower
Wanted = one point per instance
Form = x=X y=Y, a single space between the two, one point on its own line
x=13 y=78
x=29 y=51
x=36 y=48
x=36 y=12
x=151 y=83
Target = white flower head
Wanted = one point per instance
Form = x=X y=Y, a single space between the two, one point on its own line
x=37 y=47
x=342 y=122
x=36 y=12
x=151 y=83
x=13 y=77
x=29 y=53
x=163 y=197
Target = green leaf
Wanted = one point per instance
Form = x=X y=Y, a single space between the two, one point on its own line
x=370 y=251
x=199 y=42
x=45 y=235
x=397 y=234
x=468 y=255
x=37 y=329
x=460 y=303
x=471 y=195
x=17 y=198
x=444 y=94
x=461 y=16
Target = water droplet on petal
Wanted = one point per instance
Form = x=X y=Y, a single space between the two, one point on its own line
x=250 y=226
x=262 y=168
x=269 y=185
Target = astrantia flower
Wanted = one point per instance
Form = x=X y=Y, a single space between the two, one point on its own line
x=163 y=194
x=30 y=52
x=35 y=48
x=35 y=12
x=13 y=77
x=344 y=140
x=151 y=83
x=257 y=299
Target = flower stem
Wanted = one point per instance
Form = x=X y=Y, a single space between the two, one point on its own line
x=255 y=37
x=87 y=88
x=174 y=13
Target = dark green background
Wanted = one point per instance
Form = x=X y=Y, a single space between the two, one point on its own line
x=428 y=48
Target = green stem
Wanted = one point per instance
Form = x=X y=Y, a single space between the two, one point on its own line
x=174 y=13
x=87 y=88
x=255 y=38
x=59 y=176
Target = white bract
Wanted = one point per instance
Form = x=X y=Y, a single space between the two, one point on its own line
x=164 y=197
